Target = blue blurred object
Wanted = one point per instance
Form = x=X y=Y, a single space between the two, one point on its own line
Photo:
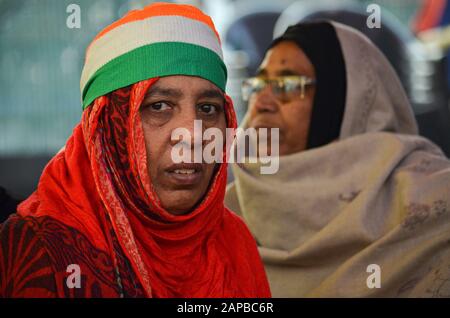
x=252 y=33
x=445 y=21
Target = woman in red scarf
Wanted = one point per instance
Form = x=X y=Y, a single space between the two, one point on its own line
x=111 y=206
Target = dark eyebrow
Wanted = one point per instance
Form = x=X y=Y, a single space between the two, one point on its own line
x=159 y=92
x=211 y=93
x=283 y=72
x=287 y=72
x=164 y=92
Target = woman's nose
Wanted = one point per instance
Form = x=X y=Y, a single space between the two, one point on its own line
x=189 y=127
x=265 y=101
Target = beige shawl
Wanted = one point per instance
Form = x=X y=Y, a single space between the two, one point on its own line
x=366 y=216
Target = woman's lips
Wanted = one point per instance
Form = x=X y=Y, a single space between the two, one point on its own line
x=262 y=123
x=258 y=124
x=185 y=174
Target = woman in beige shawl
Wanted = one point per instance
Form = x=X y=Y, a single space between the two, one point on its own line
x=360 y=206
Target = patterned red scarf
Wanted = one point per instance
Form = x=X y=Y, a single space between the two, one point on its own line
x=101 y=178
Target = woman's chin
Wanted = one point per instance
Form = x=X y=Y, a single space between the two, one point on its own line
x=181 y=202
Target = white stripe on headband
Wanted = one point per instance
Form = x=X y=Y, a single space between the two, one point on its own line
x=133 y=35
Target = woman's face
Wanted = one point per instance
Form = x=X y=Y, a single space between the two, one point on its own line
x=292 y=117
x=175 y=102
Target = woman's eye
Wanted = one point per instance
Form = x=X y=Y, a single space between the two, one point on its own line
x=208 y=109
x=160 y=106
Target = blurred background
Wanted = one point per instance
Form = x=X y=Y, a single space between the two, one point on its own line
x=41 y=61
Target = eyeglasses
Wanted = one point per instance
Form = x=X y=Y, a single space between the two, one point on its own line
x=285 y=88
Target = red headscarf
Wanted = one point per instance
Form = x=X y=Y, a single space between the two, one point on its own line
x=102 y=177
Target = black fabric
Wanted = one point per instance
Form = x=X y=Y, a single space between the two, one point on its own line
x=321 y=45
x=8 y=205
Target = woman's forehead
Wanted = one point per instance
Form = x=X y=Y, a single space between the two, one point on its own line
x=286 y=58
x=179 y=86
x=185 y=82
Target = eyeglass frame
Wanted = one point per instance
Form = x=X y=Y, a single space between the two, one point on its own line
x=304 y=81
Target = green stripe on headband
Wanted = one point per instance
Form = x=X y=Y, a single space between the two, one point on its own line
x=155 y=60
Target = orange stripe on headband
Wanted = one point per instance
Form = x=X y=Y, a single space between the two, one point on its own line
x=161 y=9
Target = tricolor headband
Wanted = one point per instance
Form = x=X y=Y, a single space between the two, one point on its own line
x=159 y=40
